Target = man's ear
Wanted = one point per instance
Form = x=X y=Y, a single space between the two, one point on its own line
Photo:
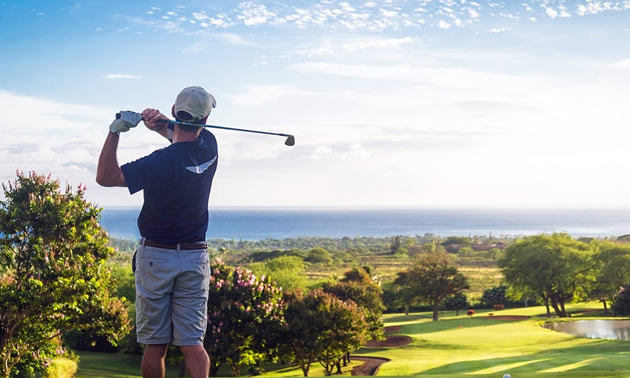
x=173 y=110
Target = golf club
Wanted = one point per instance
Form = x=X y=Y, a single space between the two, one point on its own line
x=289 y=142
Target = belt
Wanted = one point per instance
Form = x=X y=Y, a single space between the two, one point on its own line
x=179 y=246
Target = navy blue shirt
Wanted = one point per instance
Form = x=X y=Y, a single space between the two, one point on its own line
x=176 y=181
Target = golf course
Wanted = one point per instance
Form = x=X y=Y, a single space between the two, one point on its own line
x=511 y=342
x=483 y=344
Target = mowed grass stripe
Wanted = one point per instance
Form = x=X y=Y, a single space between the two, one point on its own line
x=480 y=345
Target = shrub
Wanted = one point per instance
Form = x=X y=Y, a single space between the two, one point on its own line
x=245 y=314
x=61 y=368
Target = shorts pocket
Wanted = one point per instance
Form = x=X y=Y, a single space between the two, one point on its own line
x=151 y=264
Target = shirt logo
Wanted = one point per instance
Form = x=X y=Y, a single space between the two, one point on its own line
x=199 y=169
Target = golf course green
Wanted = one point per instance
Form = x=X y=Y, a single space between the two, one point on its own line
x=485 y=345
x=480 y=345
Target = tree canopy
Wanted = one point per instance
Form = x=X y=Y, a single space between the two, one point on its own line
x=53 y=277
x=554 y=267
x=431 y=279
x=245 y=313
x=321 y=327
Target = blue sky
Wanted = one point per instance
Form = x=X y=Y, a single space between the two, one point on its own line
x=395 y=103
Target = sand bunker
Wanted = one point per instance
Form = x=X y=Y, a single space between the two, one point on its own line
x=370 y=367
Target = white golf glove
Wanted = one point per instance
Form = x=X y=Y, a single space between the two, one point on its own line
x=124 y=121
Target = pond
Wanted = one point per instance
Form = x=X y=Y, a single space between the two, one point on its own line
x=595 y=329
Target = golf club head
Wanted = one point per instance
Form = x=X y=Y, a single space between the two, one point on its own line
x=290 y=140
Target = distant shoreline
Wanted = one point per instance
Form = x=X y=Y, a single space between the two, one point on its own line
x=273 y=223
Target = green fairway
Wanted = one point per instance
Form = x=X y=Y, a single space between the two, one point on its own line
x=456 y=346
x=482 y=345
x=115 y=365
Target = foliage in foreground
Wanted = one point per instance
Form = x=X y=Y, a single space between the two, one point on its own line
x=52 y=274
x=321 y=327
x=245 y=314
x=357 y=286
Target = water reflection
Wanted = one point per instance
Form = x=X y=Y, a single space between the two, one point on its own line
x=595 y=329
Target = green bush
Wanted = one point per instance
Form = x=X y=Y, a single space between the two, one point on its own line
x=61 y=368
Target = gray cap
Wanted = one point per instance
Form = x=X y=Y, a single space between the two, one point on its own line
x=193 y=104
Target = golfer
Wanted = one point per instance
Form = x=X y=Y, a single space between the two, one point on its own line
x=171 y=263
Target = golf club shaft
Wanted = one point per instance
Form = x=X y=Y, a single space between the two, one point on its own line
x=221 y=127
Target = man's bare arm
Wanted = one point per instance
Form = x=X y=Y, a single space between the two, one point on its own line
x=151 y=117
x=108 y=172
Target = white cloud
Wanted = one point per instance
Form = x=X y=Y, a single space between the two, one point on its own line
x=200 y=16
x=253 y=14
x=257 y=95
x=233 y=39
x=620 y=65
x=316 y=51
x=58 y=138
x=443 y=24
x=321 y=152
x=551 y=12
x=376 y=44
x=118 y=76
x=499 y=30
x=389 y=13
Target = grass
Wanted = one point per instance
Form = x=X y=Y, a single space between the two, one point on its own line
x=480 y=345
x=316 y=370
x=114 y=365
x=459 y=345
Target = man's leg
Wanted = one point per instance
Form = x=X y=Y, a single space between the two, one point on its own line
x=153 y=361
x=197 y=361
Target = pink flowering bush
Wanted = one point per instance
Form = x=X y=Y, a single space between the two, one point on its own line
x=245 y=314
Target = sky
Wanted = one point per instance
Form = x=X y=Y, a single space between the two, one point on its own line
x=395 y=103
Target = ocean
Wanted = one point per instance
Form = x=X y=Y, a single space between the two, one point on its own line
x=260 y=224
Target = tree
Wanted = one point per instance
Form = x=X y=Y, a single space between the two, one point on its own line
x=612 y=271
x=321 y=327
x=53 y=276
x=245 y=315
x=432 y=279
x=621 y=303
x=555 y=267
x=357 y=286
x=286 y=271
x=494 y=296
x=456 y=302
x=319 y=255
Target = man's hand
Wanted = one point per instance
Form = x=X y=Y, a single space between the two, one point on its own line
x=124 y=121
x=151 y=117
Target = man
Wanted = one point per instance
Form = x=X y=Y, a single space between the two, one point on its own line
x=172 y=267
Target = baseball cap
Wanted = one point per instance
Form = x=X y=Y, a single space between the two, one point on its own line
x=193 y=104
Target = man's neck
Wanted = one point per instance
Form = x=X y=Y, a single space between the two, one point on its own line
x=180 y=136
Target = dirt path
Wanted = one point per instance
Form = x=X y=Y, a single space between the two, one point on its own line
x=370 y=367
x=373 y=364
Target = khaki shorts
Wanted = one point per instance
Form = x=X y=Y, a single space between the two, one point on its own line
x=171 y=295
